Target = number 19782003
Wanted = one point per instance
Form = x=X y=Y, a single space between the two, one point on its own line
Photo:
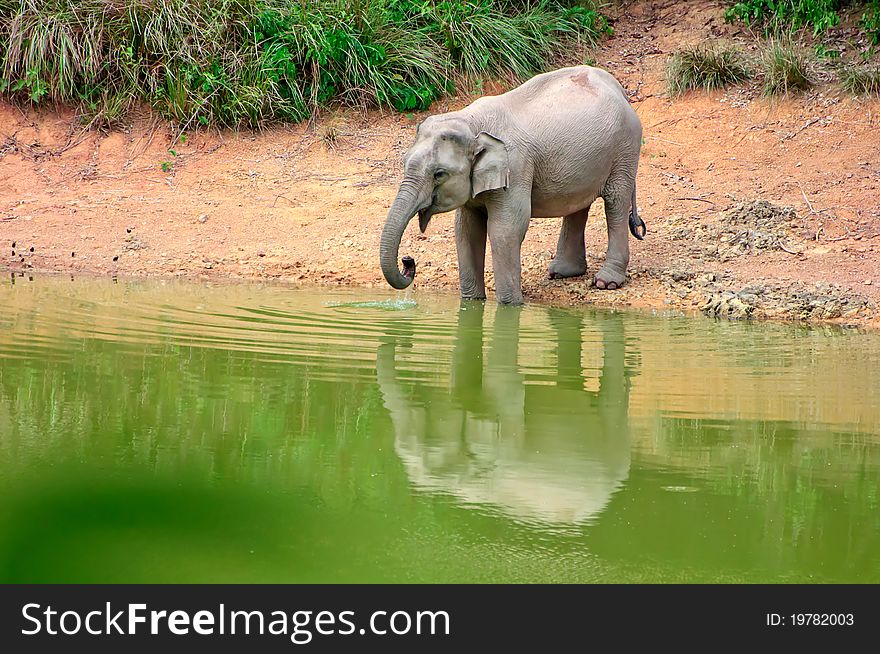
x=811 y=620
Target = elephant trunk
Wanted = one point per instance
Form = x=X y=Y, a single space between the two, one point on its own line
x=407 y=203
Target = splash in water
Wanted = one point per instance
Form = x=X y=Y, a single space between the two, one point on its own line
x=385 y=305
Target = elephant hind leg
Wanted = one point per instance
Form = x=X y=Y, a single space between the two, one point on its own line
x=571 y=255
x=612 y=275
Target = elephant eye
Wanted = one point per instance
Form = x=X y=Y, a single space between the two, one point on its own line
x=440 y=174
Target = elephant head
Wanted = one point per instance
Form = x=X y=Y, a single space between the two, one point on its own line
x=447 y=166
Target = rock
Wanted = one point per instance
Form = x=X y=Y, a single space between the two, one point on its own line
x=133 y=243
x=203 y=218
x=681 y=275
x=705 y=280
x=726 y=305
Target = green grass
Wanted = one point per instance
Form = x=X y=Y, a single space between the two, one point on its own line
x=871 y=22
x=786 y=16
x=787 y=69
x=780 y=16
x=249 y=62
x=860 y=80
x=705 y=67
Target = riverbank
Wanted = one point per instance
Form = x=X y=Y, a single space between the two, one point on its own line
x=306 y=204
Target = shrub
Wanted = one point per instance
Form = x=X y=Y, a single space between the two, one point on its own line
x=704 y=67
x=860 y=80
x=786 y=69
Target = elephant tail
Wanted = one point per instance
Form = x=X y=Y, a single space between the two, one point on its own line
x=637 y=226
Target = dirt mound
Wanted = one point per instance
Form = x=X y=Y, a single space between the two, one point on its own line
x=745 y=229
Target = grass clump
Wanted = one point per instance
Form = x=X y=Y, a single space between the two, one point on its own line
x=860 y=80
x=248 y=62
x=705 y=67
x=787 y=69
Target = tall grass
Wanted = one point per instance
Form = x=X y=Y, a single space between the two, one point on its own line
x=480 y=39
x=247 y=62
x=193 y=61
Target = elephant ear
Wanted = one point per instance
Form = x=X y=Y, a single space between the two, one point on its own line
x=491 y=169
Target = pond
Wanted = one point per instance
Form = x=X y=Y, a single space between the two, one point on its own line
x=188 y=432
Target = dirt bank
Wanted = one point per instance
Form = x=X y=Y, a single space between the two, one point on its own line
x=306 y=203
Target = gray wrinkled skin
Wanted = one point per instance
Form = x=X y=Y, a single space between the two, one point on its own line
x=547 y=148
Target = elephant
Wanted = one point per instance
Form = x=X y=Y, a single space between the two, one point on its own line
x=540 y=449
x=547 y=148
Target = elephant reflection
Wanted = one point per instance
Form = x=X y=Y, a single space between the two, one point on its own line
x=527 y=440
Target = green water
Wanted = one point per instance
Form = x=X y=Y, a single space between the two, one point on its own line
x=167 y=432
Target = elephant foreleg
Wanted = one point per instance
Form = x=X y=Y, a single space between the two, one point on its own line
x=470 y=243
x=507 y=230
x=571 y=255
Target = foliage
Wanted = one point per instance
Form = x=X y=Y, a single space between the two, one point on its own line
x=871 y=21
x=246 y=62
x=786 y=15
x=704 y=66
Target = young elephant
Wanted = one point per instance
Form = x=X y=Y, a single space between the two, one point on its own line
x=547 y=148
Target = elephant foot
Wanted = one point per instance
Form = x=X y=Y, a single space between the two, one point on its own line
x=514 y=299
x=609 y=280
x=560 y=269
